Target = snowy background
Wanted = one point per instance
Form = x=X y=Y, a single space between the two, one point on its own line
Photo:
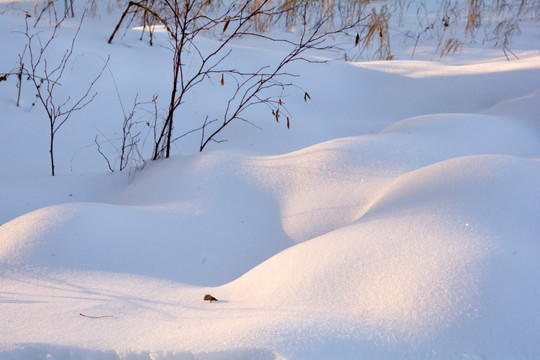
x=398 y=218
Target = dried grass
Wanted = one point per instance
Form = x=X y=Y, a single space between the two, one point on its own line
x=452 y=26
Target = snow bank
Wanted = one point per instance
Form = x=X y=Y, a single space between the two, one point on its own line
x=435 y=260
x=434 y=255
x=412 y=265
x=195 y=221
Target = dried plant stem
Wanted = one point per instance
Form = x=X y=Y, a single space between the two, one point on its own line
x=46 y=78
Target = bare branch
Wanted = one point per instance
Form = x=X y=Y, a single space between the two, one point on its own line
x=45 y=80
x=102 y=154
x=187 y=20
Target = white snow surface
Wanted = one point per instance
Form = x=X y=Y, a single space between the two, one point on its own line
x=398 y=218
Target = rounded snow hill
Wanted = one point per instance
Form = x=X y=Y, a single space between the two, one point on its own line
x=194 y=220
x=169 y=241
x=444 y=250
x=445 y=255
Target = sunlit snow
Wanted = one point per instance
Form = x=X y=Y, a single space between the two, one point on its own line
x=398 y=218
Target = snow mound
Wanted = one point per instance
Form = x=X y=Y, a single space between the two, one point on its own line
x=193 y=220
x=525 y=108
x=437 y=137
x=325 y=186
x=100 y=237
x=413 y=268
x=481 y=186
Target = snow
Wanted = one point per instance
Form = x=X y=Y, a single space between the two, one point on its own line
x=399 y=217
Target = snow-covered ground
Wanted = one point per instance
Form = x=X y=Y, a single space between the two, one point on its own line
x=398 y=218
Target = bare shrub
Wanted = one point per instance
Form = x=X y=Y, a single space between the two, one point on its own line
x=193 y=19
x=46 y=78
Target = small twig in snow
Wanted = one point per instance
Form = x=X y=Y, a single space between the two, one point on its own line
x=96 y=317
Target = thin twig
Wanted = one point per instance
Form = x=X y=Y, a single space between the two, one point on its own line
x=96 y=317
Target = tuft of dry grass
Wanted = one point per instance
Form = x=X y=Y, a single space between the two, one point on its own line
x=449 y=47
x=376 y=34
x=474 y=16
x=504 y=31
x=452 y=25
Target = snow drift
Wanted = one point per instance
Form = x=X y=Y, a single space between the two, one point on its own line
x=399 y=218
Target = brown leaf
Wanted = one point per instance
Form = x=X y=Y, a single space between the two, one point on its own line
x=357 y=41
x=277 y=115
x=3 y=78
x=226 y=25
x=288 y=124
x=222 y=80
x=306 y=96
